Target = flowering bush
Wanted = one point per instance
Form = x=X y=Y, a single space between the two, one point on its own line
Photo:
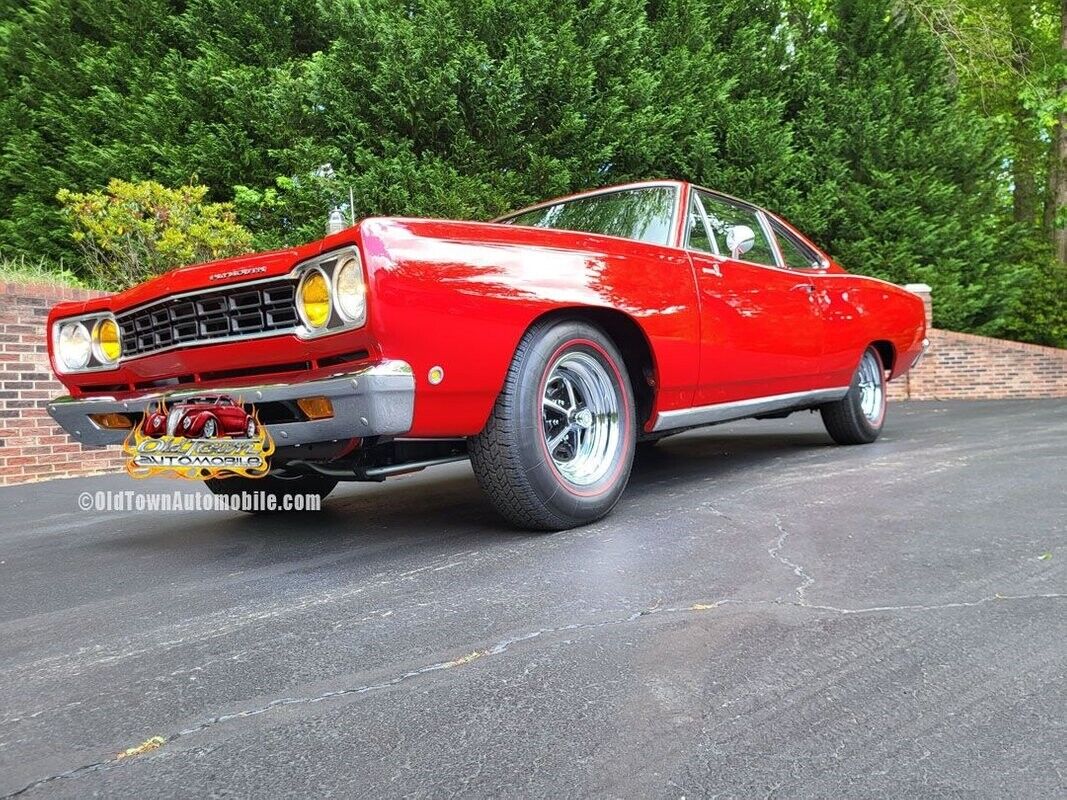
x=133 y=231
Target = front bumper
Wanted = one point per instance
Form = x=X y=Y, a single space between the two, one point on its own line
x=374 y=401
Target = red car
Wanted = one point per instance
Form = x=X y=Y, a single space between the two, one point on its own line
x=201 y=418
x=543 y=346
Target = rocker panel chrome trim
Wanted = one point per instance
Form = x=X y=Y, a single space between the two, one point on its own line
x=739 y=409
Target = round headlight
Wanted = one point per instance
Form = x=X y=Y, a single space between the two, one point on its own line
x=313 y=299
x=74 y=345
x=349 y=294
x=106 y=344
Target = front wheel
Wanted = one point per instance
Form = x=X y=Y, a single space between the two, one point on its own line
x=858 y=417
x=557 y=449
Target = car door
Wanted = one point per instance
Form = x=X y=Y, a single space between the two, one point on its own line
x=761 y=328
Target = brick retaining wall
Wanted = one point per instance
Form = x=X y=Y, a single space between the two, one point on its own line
x=960 y=366
x=32 y=447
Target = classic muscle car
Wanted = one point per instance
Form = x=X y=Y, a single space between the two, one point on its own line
x=201 y=418
x=544 y=346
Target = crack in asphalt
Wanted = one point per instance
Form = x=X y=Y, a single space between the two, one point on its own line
x=505 y=644
x=807 y=580
x=775 y=551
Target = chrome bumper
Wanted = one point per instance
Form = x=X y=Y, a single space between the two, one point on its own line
x=375 y=401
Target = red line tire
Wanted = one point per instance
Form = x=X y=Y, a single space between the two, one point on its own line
x=529 y=485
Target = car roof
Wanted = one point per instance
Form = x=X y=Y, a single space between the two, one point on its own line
x=675 y=183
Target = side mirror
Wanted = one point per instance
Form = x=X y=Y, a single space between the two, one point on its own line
x=739 y=240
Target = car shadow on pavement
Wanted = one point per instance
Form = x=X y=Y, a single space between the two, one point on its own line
x=447 y=498
x=702 y=455
x=440 y=509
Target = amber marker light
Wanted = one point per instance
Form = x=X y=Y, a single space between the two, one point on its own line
x=111 y=421
x=316 y=407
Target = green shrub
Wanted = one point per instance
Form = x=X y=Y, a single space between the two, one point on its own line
x=134 y=231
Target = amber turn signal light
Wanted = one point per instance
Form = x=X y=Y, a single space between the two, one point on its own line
x=316 y=407
x=111 y=421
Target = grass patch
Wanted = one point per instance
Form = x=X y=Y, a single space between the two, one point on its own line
x=23 y=270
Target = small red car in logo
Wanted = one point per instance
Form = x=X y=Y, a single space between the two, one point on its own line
x=206 y=417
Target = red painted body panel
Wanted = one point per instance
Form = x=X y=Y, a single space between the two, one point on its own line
x=460 y=295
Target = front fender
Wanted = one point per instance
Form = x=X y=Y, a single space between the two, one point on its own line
x=459 y=296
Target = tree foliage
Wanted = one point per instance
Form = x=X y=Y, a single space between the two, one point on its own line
x=848 y=116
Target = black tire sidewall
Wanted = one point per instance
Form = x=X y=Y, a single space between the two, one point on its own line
x=572 y=503
x=855 y=395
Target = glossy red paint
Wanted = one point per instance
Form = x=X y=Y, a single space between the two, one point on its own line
x=460 y=295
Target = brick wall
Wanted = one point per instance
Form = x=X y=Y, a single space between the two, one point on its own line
x=958 y=366
x=32 y=447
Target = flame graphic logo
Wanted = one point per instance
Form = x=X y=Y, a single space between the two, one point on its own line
x=175 y=456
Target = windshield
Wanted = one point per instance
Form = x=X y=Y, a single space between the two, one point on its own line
x=644 y=215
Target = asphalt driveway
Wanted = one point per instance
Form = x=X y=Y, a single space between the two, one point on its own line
x=765 y=614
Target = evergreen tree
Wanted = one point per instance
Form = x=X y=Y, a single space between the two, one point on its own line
x=841 y=116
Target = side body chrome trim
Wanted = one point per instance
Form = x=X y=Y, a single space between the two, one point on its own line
x=739 y=409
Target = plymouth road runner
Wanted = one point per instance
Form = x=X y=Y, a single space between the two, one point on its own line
x=544 y=346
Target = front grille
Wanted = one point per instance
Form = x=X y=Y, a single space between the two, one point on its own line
x=231 y=313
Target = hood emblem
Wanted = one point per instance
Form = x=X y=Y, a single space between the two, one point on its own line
x=236 y=273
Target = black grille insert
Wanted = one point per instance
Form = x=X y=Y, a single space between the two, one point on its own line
x=233 y=312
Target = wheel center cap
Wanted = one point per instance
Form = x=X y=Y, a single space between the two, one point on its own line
x=583 y=418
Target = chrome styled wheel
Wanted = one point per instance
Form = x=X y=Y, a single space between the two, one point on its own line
x=580 y=415
x=557 y=450
x=210 y=430
x=857 y=418
x=872 y=388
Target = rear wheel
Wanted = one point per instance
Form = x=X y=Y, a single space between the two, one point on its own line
x=276 y=486
x=557 y=450
x=858 y=417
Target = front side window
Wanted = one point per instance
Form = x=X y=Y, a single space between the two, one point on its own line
x=644 y=215
x=723 y=215
x=795 y=253
x=697 y=237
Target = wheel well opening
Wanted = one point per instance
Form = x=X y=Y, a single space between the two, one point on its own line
x=632 y=343
x=887 y=352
